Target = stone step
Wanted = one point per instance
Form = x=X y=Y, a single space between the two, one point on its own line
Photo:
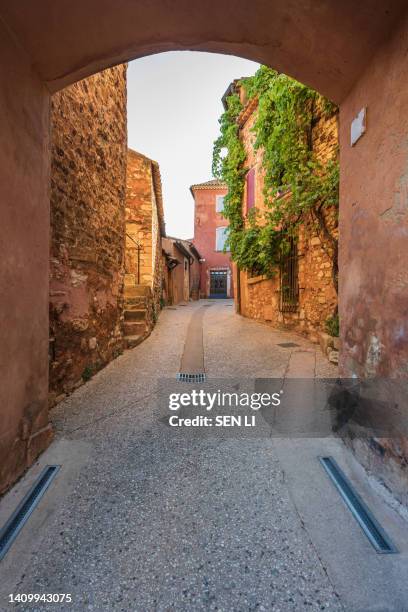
x=136 y=302
x=130 y=280
x=132 y=341
x=137 y=291
x=135 y=314
x=134 y=327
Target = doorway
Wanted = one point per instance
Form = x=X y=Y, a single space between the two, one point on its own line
x=218 y=284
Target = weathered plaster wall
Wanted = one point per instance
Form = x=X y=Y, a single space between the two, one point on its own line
x=259 y=295
x=374 y=218
x=374 y=239
x=323 y=43
x=88 y=181
x=24 y=236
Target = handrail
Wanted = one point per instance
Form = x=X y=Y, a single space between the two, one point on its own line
x=138 y=245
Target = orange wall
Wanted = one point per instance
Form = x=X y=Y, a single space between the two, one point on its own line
x=206 y=220
x=24 y=248
x=374 y=218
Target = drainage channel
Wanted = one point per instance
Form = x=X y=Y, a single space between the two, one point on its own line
x=25 y=508
x=192 y=361
x=372 y=529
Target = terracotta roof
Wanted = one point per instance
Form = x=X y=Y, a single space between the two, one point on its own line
x=212 y=184
x=249 y=108
x=231 y=89
x=186 y=247
x=159 y=196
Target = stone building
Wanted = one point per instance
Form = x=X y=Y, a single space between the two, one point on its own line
x=181 y=270
x=302 y=294
x=88 y=188
x=210 y=232
x=145 y=229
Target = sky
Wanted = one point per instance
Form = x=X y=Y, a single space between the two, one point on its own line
x=174 y=103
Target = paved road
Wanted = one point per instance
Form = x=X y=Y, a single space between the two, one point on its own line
x=143 y=518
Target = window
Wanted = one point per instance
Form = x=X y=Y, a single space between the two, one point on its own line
x=289 y=284
x=250 y=189
x=219 y=203
x=220 y=238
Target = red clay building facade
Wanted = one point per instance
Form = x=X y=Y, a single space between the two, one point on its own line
x=210 y=229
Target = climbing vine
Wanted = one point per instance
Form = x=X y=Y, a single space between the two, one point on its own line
x=296 y=182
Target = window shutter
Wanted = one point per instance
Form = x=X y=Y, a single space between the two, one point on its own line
x=221 y=234
x=219 y=203
x=250 y=185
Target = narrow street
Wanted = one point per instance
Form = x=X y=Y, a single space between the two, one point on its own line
x=141 y=518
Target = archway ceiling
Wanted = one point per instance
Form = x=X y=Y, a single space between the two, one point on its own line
x=323 y=43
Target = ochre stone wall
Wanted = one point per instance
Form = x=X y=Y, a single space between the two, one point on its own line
x=144 y=224
x=260 y=296
x=88 y=183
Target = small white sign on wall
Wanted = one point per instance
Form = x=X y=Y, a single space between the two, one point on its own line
x=358 y=127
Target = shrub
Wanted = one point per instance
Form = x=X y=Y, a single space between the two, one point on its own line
x=332 y=326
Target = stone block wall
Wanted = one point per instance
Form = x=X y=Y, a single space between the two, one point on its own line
x=88 y=188
x=260 y=296
x=139 y=217
x=144 y=225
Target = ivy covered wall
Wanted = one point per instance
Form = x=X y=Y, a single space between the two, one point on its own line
x=285 y=135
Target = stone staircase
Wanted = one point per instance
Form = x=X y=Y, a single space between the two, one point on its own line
x=135 y=324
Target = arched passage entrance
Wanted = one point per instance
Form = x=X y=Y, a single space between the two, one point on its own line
x=353 y=53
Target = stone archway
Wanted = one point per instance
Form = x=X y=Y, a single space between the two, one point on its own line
x=323 y=43
x=353 y=53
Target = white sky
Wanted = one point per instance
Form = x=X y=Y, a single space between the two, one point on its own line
x=174 y=102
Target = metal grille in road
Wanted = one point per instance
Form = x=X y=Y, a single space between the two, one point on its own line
x=25 y=508
x=191 y=378
x=359 y=510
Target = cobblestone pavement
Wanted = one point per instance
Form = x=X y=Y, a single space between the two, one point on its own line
x=142 y=518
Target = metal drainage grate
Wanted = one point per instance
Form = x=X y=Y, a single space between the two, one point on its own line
x=288 y=344
x=191 y=378
x=25 y=508
x=373 y=530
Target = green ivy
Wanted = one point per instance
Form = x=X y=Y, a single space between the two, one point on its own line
x=332 y=326
x=296 y=182
x=230 y=168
